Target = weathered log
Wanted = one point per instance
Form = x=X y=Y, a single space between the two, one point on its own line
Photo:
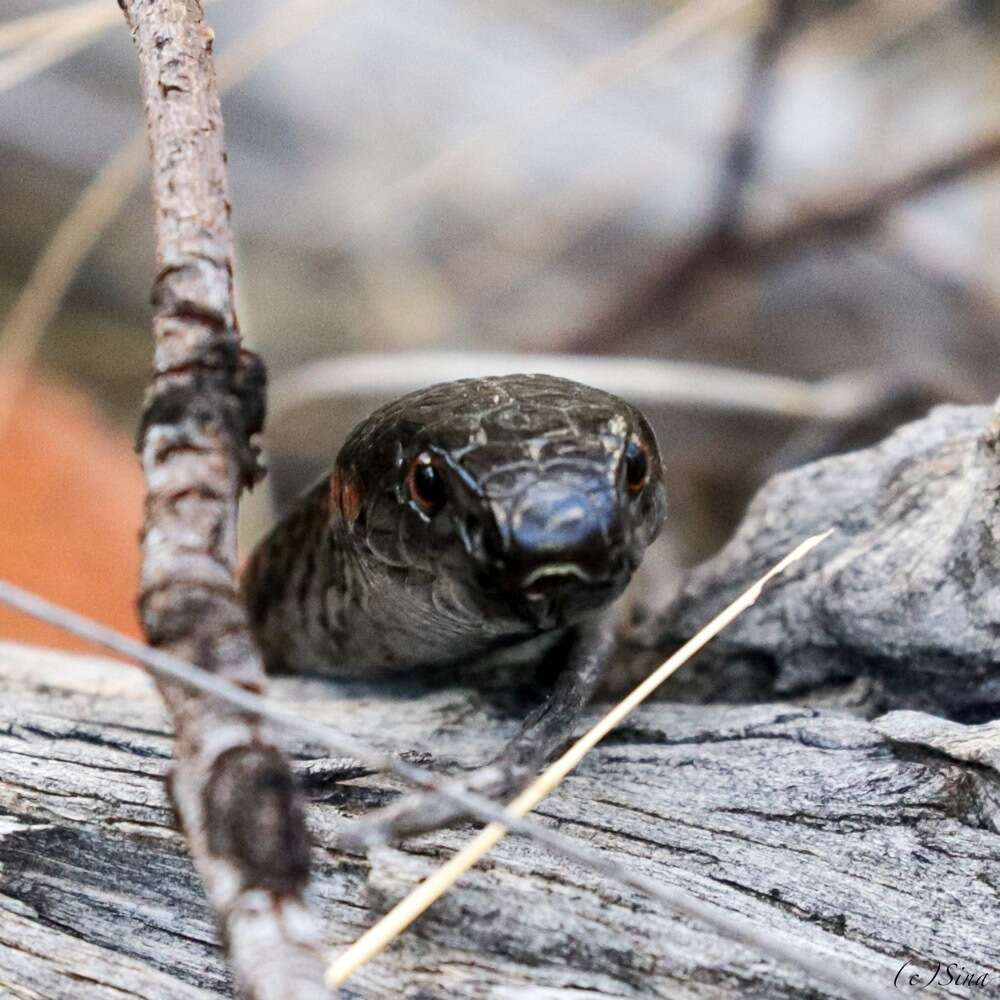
x=869 y=843
x=905 y=594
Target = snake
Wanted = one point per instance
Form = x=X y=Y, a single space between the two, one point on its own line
x=461 y=519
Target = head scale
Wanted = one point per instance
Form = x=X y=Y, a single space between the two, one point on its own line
x=535 y=496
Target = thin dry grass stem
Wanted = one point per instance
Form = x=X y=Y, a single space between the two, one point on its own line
x=166 y=665
x=42 y=294
x=21 y=30
x=61 y=37
x=54 y=271
x=684 y=23
x=646 y=381
x=856 y=33
x=405 y=912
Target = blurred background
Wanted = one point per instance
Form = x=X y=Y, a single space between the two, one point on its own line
x=784 y=215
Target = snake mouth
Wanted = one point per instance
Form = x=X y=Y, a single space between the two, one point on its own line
x=544 y=578
x=558 y=594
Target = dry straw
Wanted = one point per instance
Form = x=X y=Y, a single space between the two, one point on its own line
x=405 y=912
x=41 y=40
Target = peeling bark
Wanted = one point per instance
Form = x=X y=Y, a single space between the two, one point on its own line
x=231 y=785
x=868 y=843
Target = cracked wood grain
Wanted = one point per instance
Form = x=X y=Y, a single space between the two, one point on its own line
x=869 y=843
x=905 y=597
x=231 y=786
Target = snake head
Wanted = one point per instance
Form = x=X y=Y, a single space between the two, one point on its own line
x=523 y=498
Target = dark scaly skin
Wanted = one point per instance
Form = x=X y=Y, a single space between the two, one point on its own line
x=539 y=531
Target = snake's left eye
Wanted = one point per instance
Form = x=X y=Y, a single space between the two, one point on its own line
x=636 y=466
x=426 y=485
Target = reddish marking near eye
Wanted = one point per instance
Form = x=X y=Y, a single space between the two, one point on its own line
x=345 y=495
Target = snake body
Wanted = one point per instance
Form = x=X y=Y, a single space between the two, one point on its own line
x=459 y=519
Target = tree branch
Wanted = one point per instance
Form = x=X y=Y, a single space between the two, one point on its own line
x=738 y=165
x=664 y=291
x=742 y=153
x=231 y=786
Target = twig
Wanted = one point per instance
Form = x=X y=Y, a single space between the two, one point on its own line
x=376 y=938
x=645 y=381
x=742 y=153
x=663 y=292
x=861 y=212
x=18 y=31
x=41 y=295
x=38 y=301
x=231 y=785
x=737 y=167
x=681 y=25
x=161 y=663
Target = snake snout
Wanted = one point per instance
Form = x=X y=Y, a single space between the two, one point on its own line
x=554 y=530
x=560 y=551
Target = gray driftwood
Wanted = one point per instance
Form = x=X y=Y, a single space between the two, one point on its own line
x=906 y=594
x=872 y=843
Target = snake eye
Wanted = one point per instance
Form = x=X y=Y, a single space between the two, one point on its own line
x=636 y=466
x=426 y=485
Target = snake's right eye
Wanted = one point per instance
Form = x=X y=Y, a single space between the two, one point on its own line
x=426 y=485
x=636 y=466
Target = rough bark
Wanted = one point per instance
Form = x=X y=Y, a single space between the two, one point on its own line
x=231 y=785
x=870 y=843
x=906 y=594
